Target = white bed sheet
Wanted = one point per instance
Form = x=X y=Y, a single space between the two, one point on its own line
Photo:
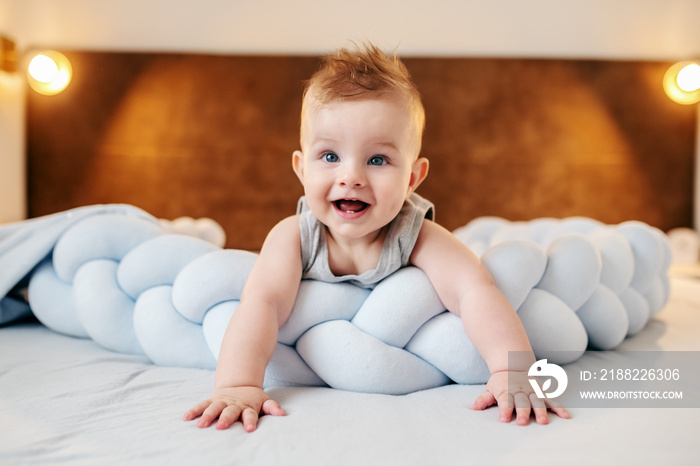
x=68 y=401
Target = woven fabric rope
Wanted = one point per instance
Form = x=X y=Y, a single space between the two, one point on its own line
x=132 y=286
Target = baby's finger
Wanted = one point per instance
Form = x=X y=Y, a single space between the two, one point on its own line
x=273 y=408
x=211 y=413
x=558 y=409
x=522 y=409
x=228 y=416
x=539 y=408
x=505 y=407
x=250 y=419
x=484 y=400
x=196 y=410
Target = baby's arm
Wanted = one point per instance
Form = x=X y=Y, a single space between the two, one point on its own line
x=466 y=288
x=251 y=335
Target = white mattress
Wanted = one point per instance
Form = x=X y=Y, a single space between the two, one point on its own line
x=68 y=401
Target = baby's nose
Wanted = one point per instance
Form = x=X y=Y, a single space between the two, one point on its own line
x=352 y=176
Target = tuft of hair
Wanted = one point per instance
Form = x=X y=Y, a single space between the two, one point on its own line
x=363 y=72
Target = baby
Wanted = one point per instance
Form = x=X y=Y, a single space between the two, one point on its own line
x=359 y=221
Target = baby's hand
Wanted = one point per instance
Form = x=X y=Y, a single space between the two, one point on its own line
x=232 y=404
x=511 y=389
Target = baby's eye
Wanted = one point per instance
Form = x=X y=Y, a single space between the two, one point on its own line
x=330 y=157
x=377 y=160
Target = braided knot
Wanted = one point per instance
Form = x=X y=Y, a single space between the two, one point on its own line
x=134 y=287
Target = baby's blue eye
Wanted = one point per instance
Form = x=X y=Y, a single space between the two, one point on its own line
x=377 y=160
x=330 y=157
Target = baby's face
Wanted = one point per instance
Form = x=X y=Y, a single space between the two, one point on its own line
x=359 y=162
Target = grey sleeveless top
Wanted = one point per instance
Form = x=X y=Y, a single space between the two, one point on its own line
x=396 y=251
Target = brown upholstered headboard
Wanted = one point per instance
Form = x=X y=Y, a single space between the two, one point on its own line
x=205 y=135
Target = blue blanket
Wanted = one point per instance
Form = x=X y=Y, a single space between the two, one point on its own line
x=25 y=244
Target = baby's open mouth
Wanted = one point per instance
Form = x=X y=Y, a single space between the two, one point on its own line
x=350 y=206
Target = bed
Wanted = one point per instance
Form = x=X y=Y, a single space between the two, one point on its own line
x=187 y=135
x=69 y=401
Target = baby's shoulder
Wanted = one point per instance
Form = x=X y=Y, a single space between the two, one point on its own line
x=283 y=239
x=286 y=227
x=435 y=241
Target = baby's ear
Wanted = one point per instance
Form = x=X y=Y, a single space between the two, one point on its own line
x=298 y=164
x=418 y=173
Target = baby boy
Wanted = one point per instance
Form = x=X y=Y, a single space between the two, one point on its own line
x=359 y=221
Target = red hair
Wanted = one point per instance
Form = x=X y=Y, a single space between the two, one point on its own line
x=364 y=72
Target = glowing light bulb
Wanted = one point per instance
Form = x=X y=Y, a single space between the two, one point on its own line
x=43 y=69
x=682 y=82
x=49 y=72
x=688 y=78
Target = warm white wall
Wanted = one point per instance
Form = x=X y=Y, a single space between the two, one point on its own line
x=12 y=166
x=615 y=29
x=542 y=28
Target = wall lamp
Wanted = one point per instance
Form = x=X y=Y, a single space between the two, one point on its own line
x=48 y=72
x=682 y=85
x=682 y=82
